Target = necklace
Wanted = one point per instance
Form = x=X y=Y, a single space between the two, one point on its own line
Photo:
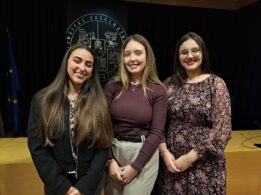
x=134 y=87
x=135 y=83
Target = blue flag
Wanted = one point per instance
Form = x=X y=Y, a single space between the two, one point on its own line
x=14 y=87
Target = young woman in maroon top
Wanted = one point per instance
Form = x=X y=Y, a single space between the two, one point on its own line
x=138 y=105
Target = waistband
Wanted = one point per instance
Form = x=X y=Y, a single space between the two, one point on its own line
x=131 y=138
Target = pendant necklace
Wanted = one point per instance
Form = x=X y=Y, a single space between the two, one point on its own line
x=134 y=86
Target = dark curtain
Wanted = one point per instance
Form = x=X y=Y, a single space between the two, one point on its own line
x=38 y=32
x=233 y=39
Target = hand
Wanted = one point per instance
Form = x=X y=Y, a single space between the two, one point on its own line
x=69 y=191
x=73 y=191
x=114 y=170
x=128 y=173
x=76 y=192
x=169 y=159
x=182 y=163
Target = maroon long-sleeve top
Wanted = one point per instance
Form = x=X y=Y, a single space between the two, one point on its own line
x=135 y=114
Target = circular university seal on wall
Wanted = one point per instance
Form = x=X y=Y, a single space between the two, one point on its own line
x=104 y=36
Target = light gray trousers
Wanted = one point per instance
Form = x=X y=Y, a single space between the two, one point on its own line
x=125 y=153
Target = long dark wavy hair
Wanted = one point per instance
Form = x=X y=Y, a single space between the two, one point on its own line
x=179 y=72
x=91 y=116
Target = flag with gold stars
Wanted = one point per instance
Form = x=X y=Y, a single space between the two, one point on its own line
x=13 y=88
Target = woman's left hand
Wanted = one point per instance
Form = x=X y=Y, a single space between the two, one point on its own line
x=128 y=173
x=182 y=163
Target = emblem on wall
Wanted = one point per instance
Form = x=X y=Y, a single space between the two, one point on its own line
x=104 y=36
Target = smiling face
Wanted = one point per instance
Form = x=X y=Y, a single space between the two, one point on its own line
x=190 y=56
x=79 y=67
x=135 y=58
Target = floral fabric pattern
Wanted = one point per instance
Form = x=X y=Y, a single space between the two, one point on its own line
x=199 y=116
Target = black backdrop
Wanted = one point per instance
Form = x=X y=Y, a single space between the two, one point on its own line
x=233 y=39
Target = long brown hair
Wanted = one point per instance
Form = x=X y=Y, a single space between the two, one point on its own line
x=92 y=117
x=150 y=72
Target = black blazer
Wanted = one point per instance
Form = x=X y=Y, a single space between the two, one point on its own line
x=54 y=163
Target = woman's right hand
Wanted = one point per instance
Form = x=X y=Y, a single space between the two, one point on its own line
x=73 y=191
x=169 y=160
x=114 y=170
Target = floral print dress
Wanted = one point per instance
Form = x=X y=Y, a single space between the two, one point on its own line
x=199 y=118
